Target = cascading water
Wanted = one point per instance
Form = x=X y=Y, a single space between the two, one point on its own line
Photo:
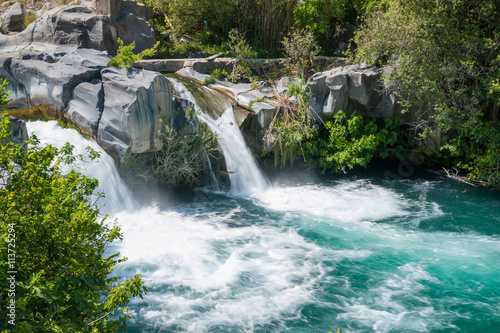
x=118 y=196
x=244 y=173
x=364 y=253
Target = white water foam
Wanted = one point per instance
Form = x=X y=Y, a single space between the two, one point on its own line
x=202 y=273
x=350 y=201
x=117 y=195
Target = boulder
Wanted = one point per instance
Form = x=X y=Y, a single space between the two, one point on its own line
x=67 y=28
x=85 y=107
x=18 y=95
x=318 y=91
x=52 y=84
x=364 y=89
x=386 y=108
x=19 y=133
x=337 y=98
x=137 y=8
x=13 y=18
x=134 y=103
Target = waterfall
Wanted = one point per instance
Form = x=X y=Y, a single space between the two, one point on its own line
x=118 y=197
x=244 y=173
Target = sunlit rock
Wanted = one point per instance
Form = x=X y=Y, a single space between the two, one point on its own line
x=134 y=103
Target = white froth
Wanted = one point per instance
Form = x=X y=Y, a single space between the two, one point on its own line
x=346 y=202
x=118 y=196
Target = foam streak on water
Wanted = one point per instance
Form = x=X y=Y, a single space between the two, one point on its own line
x=366 y=255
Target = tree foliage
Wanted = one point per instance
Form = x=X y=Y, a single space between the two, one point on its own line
x=265 y=22
x=62 y=280
x=350 y=141
x=291 y=125
x=443 y=59
x=125 y=56
x=301 y=48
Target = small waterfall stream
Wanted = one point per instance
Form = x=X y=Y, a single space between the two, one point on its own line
x=244 y=173
x=117 y=195
x=362 y=252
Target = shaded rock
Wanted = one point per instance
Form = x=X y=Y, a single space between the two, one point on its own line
x=109 y=8
x=386 y=108
x=134 y=103
x=318 y=92
x=137 y=8
x=19 y=133
x=344 y=34
x=364 y=89
x=13 y=18
x=85 y=108
x=18 y=95
x=67 y=28
x=337 y=98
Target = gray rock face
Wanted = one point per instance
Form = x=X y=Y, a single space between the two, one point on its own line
x=67 y=28
x=351 y=88
x=318 y=91
x=85 y=107
x=52 y=84
x=134 y=103
x=337 y=98
x=13 y=18
x=18 y=95
x=364 y=89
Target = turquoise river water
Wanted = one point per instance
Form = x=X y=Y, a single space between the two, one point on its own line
x=365 y=253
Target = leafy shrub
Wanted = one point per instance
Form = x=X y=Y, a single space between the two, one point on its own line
x=63 y=279
x=241 y=50
x=291 y=125
x=29 y=18
x=217 y=73
x=181 y=158
x=209 y=80
x=300 y=47
x=442 y=60
x=350 y=141
x=125 y=58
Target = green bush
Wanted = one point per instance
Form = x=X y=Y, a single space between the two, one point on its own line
x=125 y=56
x=350 y=141
x=300 y=47
x=443 y=62
x=54 y=260
x=181 y=158
x=209 y=80
x=291 y=125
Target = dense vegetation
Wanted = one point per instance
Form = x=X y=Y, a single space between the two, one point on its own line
x=442 y=59
x=55 y=269
x=264 y=23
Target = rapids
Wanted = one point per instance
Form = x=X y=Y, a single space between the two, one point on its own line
x=366 y=253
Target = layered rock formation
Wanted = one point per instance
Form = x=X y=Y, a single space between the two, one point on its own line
x=121 y=108
x=67 y=28
x=350 y=88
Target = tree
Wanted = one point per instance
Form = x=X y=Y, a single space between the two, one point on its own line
x=54 y=269
x=443 y=59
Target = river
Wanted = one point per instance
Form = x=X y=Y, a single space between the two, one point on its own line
x=385 y=250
